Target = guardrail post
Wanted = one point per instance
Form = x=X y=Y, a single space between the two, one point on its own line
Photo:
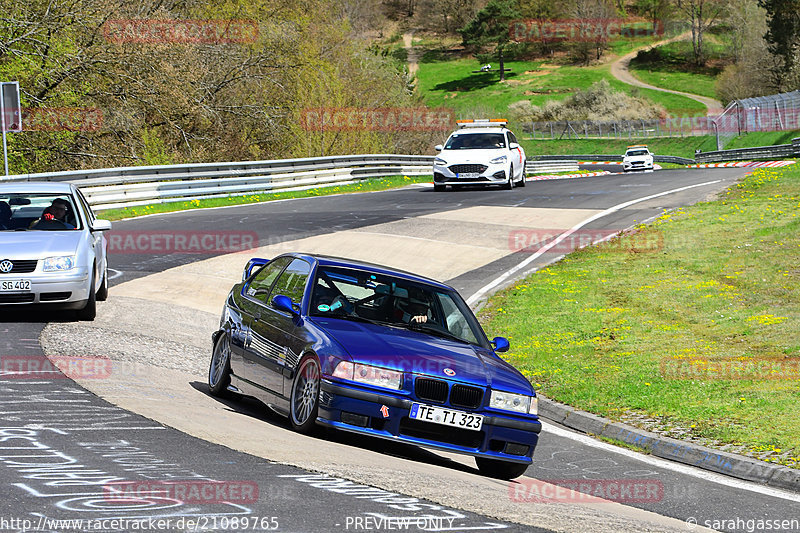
x=796 y=146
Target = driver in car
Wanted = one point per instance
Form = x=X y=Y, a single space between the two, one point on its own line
x=54 y=217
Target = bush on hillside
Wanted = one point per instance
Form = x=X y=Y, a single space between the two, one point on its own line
x=599 y=103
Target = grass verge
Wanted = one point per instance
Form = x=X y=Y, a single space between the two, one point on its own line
x=689 y=326
x=391 y=182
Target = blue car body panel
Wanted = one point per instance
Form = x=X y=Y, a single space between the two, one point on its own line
x=268 y=344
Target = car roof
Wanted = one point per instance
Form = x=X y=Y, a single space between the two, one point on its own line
x=23 y=187
x=333 y=261
x=467 y=131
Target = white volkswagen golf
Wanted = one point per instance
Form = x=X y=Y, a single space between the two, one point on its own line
x=480 y=152
x=52 y=248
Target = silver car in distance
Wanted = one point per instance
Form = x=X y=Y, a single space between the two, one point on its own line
x=52 y=248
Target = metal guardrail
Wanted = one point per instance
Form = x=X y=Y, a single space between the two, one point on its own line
x=132 y=186
x=779 y=151
x=606 y=157
x=555 y=165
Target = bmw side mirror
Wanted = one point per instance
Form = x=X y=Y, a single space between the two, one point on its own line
x=500 y=344
x=101 y=225
x=438 y=147
x=513 y=146
x=283 y=303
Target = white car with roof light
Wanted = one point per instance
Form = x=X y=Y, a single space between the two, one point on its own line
x=52 y=248
x=480 y=152
x=637 y=157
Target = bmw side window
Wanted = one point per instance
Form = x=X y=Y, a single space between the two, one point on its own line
x=292 y=282
x=259 y=287
x=511 y=138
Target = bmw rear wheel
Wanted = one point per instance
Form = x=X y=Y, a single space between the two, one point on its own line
x=500 y=469
x=304 y=403
x=219 y=372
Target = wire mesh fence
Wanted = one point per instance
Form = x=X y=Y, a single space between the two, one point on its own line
x=778 y=112
x=622 y=129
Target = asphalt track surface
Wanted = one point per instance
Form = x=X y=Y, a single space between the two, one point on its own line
x=60 y=419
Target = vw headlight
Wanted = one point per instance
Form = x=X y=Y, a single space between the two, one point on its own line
x=58 y=264
x=439 y=161
x=369 y=375
x=498 y=160
x=508 y=401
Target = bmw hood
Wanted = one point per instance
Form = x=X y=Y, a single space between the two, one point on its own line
x=35 y=244
x=419 y=353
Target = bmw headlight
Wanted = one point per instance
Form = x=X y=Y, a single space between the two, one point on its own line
x=369 y=375
x=508 y=401
x=498 y=160
x=58 y=264
x=439 y=161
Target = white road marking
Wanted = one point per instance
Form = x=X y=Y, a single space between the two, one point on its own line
x=675 y=467
x=480 y=293
x=117 y=273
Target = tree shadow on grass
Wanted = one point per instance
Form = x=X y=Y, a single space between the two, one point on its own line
x=472 y=82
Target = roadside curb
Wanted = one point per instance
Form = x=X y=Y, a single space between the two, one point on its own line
x=745 y=164
x=745 y=468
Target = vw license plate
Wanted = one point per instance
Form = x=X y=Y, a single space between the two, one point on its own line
x=468 y=175
x=15 y=285
x=446 y=417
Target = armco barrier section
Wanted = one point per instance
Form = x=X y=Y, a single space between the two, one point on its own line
x=540 y=167
x=778 y=151
x=606 y=157
x=131 y=186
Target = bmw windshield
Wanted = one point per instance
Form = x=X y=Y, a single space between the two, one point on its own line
x=361 y=295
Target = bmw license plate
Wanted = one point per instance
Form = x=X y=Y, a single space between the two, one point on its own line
x=468 y=175
x=446 y=417
x=15 y=285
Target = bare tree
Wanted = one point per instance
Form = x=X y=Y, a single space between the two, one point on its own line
x=702 y=14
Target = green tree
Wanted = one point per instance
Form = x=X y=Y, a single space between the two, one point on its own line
x=489 y=29
x=783 y=36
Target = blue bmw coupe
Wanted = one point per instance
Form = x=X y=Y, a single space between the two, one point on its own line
x=377 y=351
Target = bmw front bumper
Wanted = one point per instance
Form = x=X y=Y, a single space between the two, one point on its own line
x=386 y=415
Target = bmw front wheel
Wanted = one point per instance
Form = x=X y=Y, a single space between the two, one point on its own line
x=304 y=402
x=500 y=469
x=219 y=372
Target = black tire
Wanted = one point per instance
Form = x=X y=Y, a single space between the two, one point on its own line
x=500 y=469
x=219 y=371
x=509 y=184
x=524 y=173
x=89 y=311
x=102 y=292
x=304 y=401
x=439 y=188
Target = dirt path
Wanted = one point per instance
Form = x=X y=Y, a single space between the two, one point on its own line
x=413 y=55
x=620 y=70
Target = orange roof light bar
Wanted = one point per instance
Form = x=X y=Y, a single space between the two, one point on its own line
x=481 y=122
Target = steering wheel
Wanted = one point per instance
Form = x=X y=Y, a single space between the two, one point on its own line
x=340 y=303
